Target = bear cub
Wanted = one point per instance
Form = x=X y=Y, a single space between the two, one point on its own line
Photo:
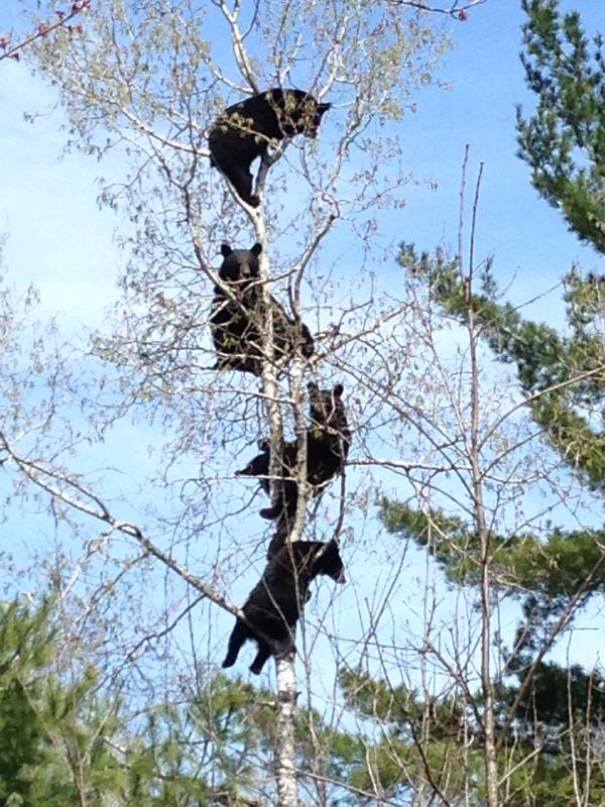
x=237 y=324
x=276 y=602
x=328 y=439
x=244 y=130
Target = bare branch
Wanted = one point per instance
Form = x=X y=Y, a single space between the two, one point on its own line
x=10 y=51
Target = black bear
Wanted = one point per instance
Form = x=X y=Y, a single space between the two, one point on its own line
x=328 y=440
x=276 y=602
x=243 y=132
x=237 y=324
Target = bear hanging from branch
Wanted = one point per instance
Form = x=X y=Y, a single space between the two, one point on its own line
x=244 y=131
x=276 y=602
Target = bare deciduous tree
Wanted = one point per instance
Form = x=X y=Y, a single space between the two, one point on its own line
x=149 y=82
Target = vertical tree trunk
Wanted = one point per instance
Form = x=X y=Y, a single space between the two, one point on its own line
x=287 y=790
x=481 y=528
x=300 y=429
x=269 y=374
x=482 y=532
x=487 y=685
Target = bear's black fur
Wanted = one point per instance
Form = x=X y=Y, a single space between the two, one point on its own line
x=237 y=324
x=328 y=439
x=243 y=132
x=276 y=602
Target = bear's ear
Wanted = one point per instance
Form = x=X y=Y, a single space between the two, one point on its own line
x=329 y=549
x=338 y=390
x=225 y=250
x=321 y=108
x=328 y=558
x=333 y=549
x=312 y=388
x=257 y=249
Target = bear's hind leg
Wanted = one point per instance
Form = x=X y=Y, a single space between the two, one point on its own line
x=264 y=651
x=241 y=179
x=285 y=506
x=223 y=157
x=239 y=176
x=239 y=634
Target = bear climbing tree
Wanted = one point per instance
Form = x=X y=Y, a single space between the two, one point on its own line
x=241 y=335
x=252 y=333
x=238 y=318
x=275 y=603
x=245 y=130
x=327 y=440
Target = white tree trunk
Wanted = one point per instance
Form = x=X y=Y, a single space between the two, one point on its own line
x=287 y=790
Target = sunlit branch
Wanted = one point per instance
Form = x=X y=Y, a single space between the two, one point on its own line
x=456 y=9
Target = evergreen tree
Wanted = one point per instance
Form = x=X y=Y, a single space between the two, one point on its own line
x=548 y=717
x=61 y=744
x=564 y=140
x=546 y=714
x=48 y=754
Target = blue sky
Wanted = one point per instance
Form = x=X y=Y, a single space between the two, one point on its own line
x=527 y=237
x=57 y=237
x=59 y=240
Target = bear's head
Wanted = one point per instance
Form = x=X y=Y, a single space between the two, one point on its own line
x=239 y=264
x=327 y=561
x=312 y=115
x=301 y=113
x=326 y=406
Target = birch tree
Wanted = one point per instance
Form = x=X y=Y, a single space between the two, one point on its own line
x=147 y=83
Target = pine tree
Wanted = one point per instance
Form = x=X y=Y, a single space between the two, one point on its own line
x=44 y=739
x=548 y=716
x=540 y=705
x=60 y=743
x=564 y=140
